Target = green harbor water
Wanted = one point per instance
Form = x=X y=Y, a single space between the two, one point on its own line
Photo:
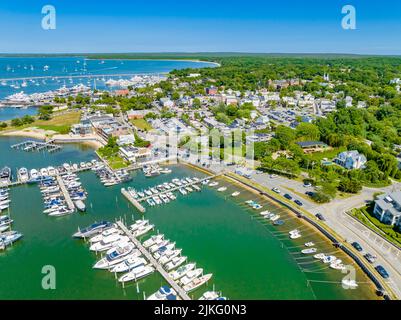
x=249 y=258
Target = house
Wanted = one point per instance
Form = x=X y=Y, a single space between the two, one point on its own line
x=388 y=208
x=211 y=91
x=131 y=154
x=137 y=114
x=312 y=146
x=166 y=102
x=351 y=159
x=81 y=128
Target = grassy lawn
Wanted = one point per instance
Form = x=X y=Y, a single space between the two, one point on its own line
x=329 y=154
x=117 y=162
x=141 y=124
x=59 y=123
x=364 y=215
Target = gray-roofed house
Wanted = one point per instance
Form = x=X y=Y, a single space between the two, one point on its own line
x=351 y=159
x=388 y=208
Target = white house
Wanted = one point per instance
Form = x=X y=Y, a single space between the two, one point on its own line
x=351 y=159
x=388 y=208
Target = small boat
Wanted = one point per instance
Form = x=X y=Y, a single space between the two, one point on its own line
x=329 y=259
x=80 y=205
x=153 y=240
x=143 y=230
x=213 y=184
x=295 y=234
x=235 y=194
x=170 y=255
x=210 y=295
x=309 y=251
x=107 y=242
x=138 y=224
x=309 y=244
x=197 y=282
x=221 y=189
x=278 y=223
x=107 y=232
x=10 y=237
x=275 y=217
x=319 y=256
x=347 y=283
x=337 y=266
x=137 y=273
x=164 y=293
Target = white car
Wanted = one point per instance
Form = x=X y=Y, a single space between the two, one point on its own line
x=276 y=190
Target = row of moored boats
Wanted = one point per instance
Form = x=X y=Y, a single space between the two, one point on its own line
x=7 y=236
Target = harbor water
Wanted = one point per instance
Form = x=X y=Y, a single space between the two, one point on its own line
x=249 y=258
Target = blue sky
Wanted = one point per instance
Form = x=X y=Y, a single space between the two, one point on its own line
x=292 y=26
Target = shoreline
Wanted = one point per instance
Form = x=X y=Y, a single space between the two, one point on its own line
x=156 y=59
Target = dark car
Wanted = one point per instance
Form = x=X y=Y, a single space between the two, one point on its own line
x=382 y=271
x=309 y=193
x=357 y=246
x=287 y=196
x=298 y=202
x=370 y=258
x=320 y=217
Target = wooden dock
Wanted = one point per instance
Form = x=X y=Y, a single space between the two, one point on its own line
x=180 y=291
x=31 y=145
x=177 y=188
x=66 y=194
x=133 y=201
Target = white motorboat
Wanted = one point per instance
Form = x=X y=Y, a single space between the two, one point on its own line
x=235 y=194
x=137 y=273
x=104 y=234
x=213 y=184
x=210 y=295
x=143 y=230
x=197 y=282
x=116 y=256
x=182 y=271
x=175 y=263
x=164 y=250
x=309 y=244
x=156 y=239
x=138 y=224
x=275 y=217
x=348 y=283
x=309 y=251
x=319 y=256
x=169 y=256
x=164 y=293
x=295 y=234
x=23 y=175
x=190 y=275
x=107 y=242
x=129 y=264
x=221 y=189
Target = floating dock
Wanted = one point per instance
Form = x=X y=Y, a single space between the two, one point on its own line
x=134 y=202
x=180 y=292
x=31 y=145
x=66 y=194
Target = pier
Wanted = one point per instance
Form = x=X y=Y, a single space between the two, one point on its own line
x=133 y=201
x=31 y=145
x=64 y=190
x=177 y=188
x=180 y=292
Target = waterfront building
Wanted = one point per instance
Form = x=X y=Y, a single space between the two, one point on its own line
x=388 y=208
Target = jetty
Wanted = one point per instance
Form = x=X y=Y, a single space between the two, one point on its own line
x=133 y=201
x=31 y=145
x=180 y=291
x=66 y=194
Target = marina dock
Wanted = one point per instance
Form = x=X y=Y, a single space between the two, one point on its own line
x=66 y=194
x=31 y=145
x=176 y=188
x=180 y=292
x=134 y=202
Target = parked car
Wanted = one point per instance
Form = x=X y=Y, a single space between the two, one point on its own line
x=380 y=269
x=276 y=190
x=309 y=193
x=287 y=196
x=307 y=185
x=357 y=246
x=272 y=176
x=298 y=202
x=371 y=258
x=320 y=217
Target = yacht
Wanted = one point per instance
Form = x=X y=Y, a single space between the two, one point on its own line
x=156 y=239
x=10 y=237
x=5 y=174
x=137 y=273
x=134 y=261
x=164 y=293
x=92 y=229
x=170 y=255
x=138 y=224
x=108 y=242
x=235 y=194
x=114 y=257
x=143 y=230
x=190 y=275
x=197 y=282
x=175 y=263
x=210 y=295
x=319 y=256
x=295 y=234
x=221 y=189
x=23 y=175
x=213 y=184
x=105 y=233
x=182 y=271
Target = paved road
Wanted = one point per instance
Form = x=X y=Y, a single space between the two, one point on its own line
x=336 y=218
